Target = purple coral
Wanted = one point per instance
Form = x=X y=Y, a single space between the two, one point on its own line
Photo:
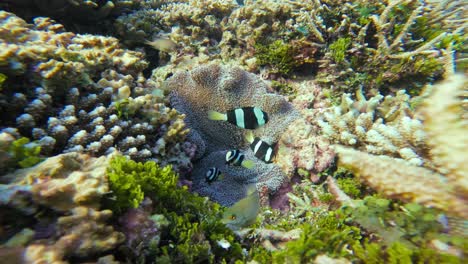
x=139 y=229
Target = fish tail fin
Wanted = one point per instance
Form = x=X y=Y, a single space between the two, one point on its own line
x=251 y=189
x=249 y=164
x=214 y=115
x=249 y=136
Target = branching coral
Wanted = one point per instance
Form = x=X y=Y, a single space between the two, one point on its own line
x=445 y=122
x=70 y=11
x=56 y=59
x=399 y=179
x=220 y=88
x=392 y=44
x=119 y=111
x=376 y=126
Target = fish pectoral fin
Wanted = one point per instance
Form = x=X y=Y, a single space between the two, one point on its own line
x=249 y=164
x=249 y=136
x=214 y=115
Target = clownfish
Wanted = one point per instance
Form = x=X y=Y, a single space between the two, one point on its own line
x=236 y=157
x=245 y=117
x=212 y=175
x=260 y=148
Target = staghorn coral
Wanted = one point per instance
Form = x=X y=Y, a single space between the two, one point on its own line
x=386 y=45
x=445 y=190
x=219 y=88
x=449 y=142
x=118 y=111
x=400 y=179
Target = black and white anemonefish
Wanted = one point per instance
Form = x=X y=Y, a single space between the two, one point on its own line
x=212 y=174
x=261 y=149
x=245 y=117
x=236 y=157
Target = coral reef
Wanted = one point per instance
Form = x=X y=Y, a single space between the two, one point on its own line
x=356 y=74
x=377 y=126
x=192 y=231
x=388 y=46
x=220 y=88
x=119 y=111
x=142 y=230
x=71 y=185
x=89 y=16
x=64 y=181
x=56 y=59
x=444 y=188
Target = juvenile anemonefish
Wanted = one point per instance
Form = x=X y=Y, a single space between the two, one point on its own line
x=236 y=157
x=212 y=174
x=261 y=149
x=245 y=117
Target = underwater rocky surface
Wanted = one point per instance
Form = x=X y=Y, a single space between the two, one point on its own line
x=106 y=143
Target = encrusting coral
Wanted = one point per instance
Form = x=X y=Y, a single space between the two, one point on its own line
x=446 y=187
x=64 y=181
x=70 y=184
x=220 y=88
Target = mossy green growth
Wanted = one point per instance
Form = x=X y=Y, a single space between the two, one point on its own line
x=3 y=78
x=399 y=253
x=328 y=235
x=409 y=223
x=351 y=186
x=25 y=154
x=195 y=226
x=283 y=88
x=338 y=49
x=123 y=109
x=279 y=56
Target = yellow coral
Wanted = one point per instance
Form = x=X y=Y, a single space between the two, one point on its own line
x=66 y=181
x=446 y=125
x=446 y=128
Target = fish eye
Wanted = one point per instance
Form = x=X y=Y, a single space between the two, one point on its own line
x=233 y=217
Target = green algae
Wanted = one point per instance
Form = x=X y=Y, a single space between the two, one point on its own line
x=195 y=225
x=3 y=78
x=24 y=153
x=278 y=55
x=338 y=49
